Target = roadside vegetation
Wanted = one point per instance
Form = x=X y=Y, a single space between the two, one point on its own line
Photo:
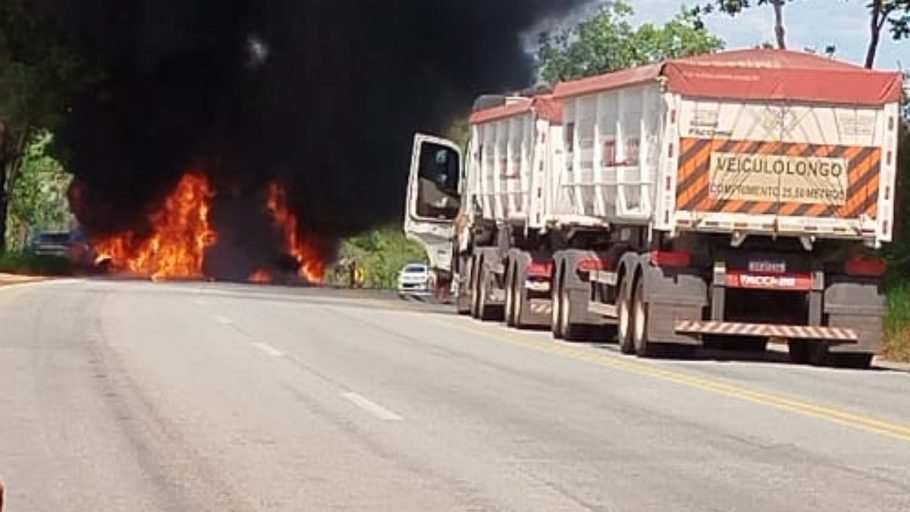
x=38 y=195
x=24 y=262
x=37 y=202
x=381 y=253
x=897 y=323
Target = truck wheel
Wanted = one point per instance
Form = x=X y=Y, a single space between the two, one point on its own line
x=624 y=320
x=737 y=343
x=563 y=319
x=463 y=301
x=485 y=311
x=857 y=360
x=800 y=351
x=563 y=305
x=808 y=352
x=474 y=286
x=819 y=355
x=556 y=310
x=521 y=304
x=570 y=331
x=751 y=344
x=643 y=346
x=510 y=295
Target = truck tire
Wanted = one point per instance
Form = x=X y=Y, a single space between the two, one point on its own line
x=753 y=344
x=816 y=353
x=485 y=312
x=855 y=360
x=821 y=356
x=476 y=265
x=522 y=302
x=569 y=330
x=624 y=317
x=510 y=294
x=569 y=301
x=738 y=343
x=800 y=351
x=520 y=298
x=555 y=293
x=570 y=295
x=463 y=300
x=643 y=346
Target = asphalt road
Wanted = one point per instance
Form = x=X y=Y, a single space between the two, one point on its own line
x=127 y=396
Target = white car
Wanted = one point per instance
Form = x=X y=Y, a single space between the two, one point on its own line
x=415 y=279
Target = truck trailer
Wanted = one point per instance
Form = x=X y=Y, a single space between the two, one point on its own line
x=729 y=199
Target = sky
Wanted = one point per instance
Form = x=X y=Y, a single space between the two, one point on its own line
x=813 y=24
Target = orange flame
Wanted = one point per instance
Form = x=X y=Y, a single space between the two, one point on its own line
x=304 y=250
x=260 y=276
x=180 y=235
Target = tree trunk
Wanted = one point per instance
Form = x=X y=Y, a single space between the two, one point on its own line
x=875 y=30
x=10 y=163
x=779 y=29
x=4 y=164
x=15 y=167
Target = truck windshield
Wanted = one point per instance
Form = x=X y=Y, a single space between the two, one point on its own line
x=437 y=194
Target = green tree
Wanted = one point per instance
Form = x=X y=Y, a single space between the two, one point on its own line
x=381 y=253
x=608 y=41
x=38 y=197
x=38 y=75
x=894 y=12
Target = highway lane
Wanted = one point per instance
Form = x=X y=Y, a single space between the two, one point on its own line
x=172 y=397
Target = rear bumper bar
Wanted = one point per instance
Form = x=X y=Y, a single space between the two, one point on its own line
x=806 y=332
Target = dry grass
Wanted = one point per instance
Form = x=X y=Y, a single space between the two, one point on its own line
x=897 y=324
x=897 y=344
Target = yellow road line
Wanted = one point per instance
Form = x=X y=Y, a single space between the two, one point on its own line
x=833 y=415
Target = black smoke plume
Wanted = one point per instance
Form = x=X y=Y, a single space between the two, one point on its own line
x=323 y=95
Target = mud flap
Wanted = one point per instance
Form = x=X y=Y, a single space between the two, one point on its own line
x=495 y=293
x=858 y=305
x=672 y=296
x=579 y=291
x=530 y=311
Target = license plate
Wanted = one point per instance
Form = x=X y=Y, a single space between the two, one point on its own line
x=774 y=267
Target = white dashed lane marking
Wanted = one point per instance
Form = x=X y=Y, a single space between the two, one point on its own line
x=268 y=349
x=221 y=319
x=371 y=407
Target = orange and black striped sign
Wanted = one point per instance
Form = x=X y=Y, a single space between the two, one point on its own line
x=694 y=179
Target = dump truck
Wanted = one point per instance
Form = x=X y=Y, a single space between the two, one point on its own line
x=731 y=199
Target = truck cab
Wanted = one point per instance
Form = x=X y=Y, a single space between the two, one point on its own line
x=434 y=200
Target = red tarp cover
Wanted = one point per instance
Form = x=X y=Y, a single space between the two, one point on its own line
x=614 y=80
x=515 y=108
x=758 y=74
x=545 y=106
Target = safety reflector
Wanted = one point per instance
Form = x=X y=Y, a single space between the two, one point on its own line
x=871 y=267
x=670 y=258
x=540 y=269
x=809 y=332
x=593 y=265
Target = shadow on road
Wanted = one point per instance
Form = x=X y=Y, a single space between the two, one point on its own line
x=775 y=354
